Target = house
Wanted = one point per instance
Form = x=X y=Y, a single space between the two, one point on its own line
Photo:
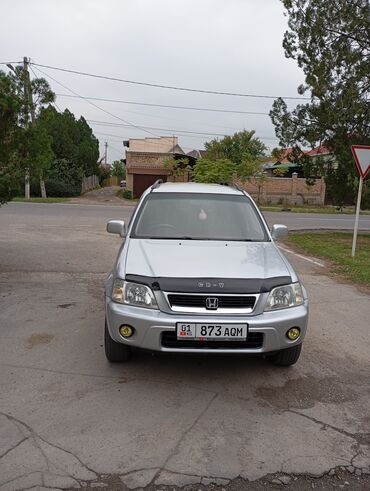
x=324 y=154
x=145 y=158
x=285 y=161
x=145 y=161
x=283 y=165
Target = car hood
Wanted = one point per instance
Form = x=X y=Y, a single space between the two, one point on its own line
x=202 y=259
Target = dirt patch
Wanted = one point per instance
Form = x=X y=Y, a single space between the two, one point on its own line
x=339 y=478
x=40 y=338
x=103 y=196
x=303 y=393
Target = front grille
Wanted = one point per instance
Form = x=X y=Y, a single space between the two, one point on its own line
x=253 y=341
x=224 y=301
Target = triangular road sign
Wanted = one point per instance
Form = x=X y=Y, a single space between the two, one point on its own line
x=361 y=154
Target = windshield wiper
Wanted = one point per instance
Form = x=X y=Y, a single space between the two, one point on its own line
x=181 y=237
x=188 y=237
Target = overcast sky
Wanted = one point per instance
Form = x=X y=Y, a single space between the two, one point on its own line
x=221 y=45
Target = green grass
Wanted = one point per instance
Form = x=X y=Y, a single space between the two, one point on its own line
x=126 y=195
x=40 y=200
x=336 y=246
x=332 y=210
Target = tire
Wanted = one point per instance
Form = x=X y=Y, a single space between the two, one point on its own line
x=286 y=357
x=115 y=352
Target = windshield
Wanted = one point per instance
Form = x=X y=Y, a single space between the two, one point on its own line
x=198 y=216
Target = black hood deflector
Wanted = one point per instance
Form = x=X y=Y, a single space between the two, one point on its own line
x=211 y=285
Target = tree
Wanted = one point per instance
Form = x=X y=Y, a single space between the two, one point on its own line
x=118 y=170
x=24 y=146
x=215 y=171
x=36 y=94
x=9 y=110
x=331 y=43
x=75 y=149
x=238 y=148
x=233 y=157
x=71 y=139
x=178 y=167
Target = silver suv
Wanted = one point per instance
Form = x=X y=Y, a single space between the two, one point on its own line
x=199 y=272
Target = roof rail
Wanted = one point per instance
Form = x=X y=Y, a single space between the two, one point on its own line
x=157 y=183
x=232 y=185
x=236 y=186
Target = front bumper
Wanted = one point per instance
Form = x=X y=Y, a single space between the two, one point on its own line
x=152 y=327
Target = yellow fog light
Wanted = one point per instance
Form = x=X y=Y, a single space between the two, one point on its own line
x=293 y=333
x=126 y=331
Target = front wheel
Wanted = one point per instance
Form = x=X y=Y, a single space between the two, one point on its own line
x=115 y=352
x=286 y=357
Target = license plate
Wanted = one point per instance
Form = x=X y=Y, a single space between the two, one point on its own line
x=205 y=332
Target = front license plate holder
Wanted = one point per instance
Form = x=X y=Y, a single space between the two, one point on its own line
x=212 y=332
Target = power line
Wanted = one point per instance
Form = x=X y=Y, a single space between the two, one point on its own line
x=54 y=103
x=129 y=124
x=175 y=132
x=165 y=105
x=170 y=130
x=161 y=86
x=95 y=105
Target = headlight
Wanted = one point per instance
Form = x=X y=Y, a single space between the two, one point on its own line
x=283 y=297
x=133 y=294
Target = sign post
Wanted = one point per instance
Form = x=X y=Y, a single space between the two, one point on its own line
x=361 y=154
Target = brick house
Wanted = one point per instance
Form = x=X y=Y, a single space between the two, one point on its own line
x=145 y=159
x=286 y=163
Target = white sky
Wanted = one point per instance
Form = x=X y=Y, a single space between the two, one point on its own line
x=224 y=45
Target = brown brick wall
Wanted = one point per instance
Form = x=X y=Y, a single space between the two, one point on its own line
x=142 y=160
x=273 y=190
x=285 y=190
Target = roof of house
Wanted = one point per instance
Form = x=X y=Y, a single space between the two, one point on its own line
x=285 y=153
x=290 y=165
x=321 y=150
x=197 y=154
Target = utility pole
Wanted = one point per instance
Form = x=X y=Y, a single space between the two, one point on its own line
x=26 y=103
x=29 y=102
x=106 y=152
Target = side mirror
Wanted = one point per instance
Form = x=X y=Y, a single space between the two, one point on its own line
x=279 y=231
x=116 y=227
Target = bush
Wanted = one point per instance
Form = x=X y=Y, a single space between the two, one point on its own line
x=6 y=190
x=365 y=203
x=60 y=189
x=125 y=194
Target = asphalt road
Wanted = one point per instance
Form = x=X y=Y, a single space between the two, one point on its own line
x=69 y=419
x=294 y=221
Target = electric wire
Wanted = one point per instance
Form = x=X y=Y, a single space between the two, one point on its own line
x=96 y=106
x=127 y=123
x=176 y=130
x=119 y=101
x=162 y=86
